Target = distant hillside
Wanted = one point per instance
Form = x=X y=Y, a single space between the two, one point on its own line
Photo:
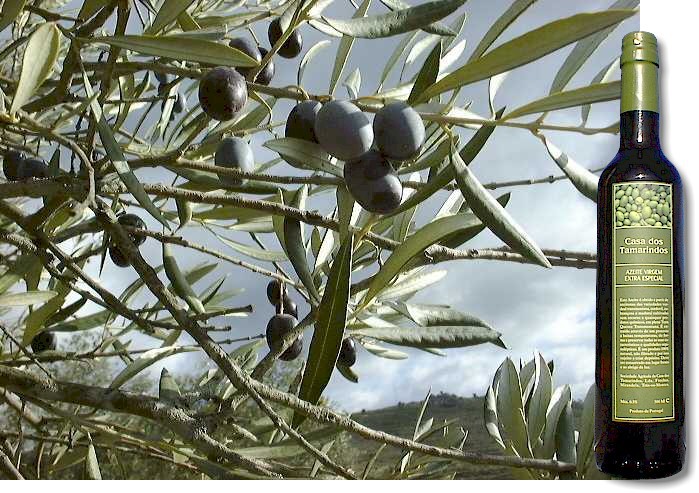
x=400 y=420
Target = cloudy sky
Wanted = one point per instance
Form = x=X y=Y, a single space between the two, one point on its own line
x=548 y=310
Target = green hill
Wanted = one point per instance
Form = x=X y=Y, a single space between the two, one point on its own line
x=400 y=419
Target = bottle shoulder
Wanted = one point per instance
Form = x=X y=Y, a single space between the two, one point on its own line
x=647 y=164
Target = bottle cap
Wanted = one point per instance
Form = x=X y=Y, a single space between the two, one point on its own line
x=639 y=46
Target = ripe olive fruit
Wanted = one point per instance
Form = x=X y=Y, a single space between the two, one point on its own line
x=180 y=103
x=274 y=290
x=372 y=182
x=222 y=93
x=267 y=73
x=32 y=168
x=289 y=307
x=301 y=120
x=343 y=130
x=44 y=341
x=398 y=131
x=11 y=161
x=118 y=257
x=133 y=221
x=291 y=47
x=278 y=327
x=234 y=152
x=248 y=47
x=348 y=353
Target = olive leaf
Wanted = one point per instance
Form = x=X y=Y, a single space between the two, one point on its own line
x=296 y=252
x=436 y=336
x=427 y=74
x=27 y=298
x=538 y=403
x=310 y=55
x=309 y=154
x=179 y=283
x=493 y=215
x=583 y=179
x=510 y=409
x=168 y=12
x=168 y=390
x=604 y=75
x=329 y=328
x=583 y=49
x=586 y=433
x=92 y=467
x=184 y=212
x=396 y=22
x=437 y=28
x=527 y=48
x=117 y=158
x=179 y=48
x=256 y=253
x=413 y=245
x=37 y=64
x=499 y=26
x=343 y=50
x=596 y=93
x=145 y=360
x=560 y=399
x=10 y=11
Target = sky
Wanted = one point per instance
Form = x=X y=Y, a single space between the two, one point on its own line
x=551 y=311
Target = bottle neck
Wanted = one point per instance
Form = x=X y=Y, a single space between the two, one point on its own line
x=639 y=129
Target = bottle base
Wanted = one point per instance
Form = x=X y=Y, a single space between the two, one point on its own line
x=633 y=469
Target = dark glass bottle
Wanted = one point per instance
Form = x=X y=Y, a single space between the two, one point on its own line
x=639 y=408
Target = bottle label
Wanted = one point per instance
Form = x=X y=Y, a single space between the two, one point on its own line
x=643 y=378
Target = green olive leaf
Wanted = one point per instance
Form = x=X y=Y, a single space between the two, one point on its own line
x=180 y=285
x=396 y=22
x=329 y=328
x=310 y=54
x=510 y=409
x=596 y=93
x=436 y=336
x=179 y=48
x=92 y=467
x=296 y=252
x=343 y=50
x=168 y=390
x=256 y=253
x=604 y=75
x=37 y=64
x=499 y=26
x=437 y=28
x=538 y=403
x=586 y=432
x=303 y=153
x=10 y=11
x=493 y=215
x=427 y=74
x=560 y=399
x=168 y=12
x=584 y=48
x=414 y=245
x=527 y=48
x=144 y=361
x=583 y=179
x=117 y=158
x=27 y=298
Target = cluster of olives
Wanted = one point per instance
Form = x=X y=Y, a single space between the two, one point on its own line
x=283 y=322
x=344 y=132
x=643 y=204
x=44 y=341
x=180 y=99
x=16 y=166
x=223 y=91
x=129 y=220
x=236 y=153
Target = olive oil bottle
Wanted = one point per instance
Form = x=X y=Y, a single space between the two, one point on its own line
x=639 y=408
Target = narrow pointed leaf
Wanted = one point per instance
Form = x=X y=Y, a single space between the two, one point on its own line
x=144 y=361
x=527 y=48
x=256 y=253
x=343 y=50
x=597 y=93
x=117 y=158
x=583 y=49
x=296 y=252
x=500 y=25
x=37 y=64
x=329 y=328
x=442 y=337
x=493 y=215
x=168 y=12
x=179 y=283
x=583 y=179
x=427 y=75
x=92 y=467
x=168 y=391
x=26 y=299
x=539 y=401
x=180 y=48
x=397 y=22
x=413 y=245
